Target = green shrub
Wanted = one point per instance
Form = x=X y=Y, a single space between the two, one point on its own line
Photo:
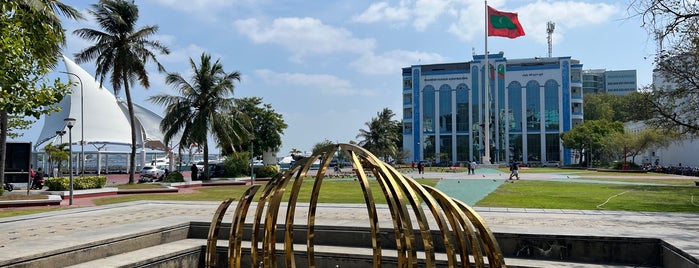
x=79 y=183
x=266 y=171
x=237 y=165
x=620 y=164
x=174 y=176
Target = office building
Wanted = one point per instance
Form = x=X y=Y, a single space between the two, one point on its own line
x=531 y=101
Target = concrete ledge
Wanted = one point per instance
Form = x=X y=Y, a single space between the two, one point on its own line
x=52 y=200
x=107 y=191
x=186 y=184
x=149 y=191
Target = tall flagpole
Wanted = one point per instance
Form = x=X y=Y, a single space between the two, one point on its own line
x=486 y=127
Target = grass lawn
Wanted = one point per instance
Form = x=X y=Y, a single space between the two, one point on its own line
x=332 y=191
x=593 y=196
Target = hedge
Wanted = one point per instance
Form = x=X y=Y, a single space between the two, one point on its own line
x=79 y=183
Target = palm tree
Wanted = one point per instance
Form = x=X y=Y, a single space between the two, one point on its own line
x=205 y=105
x=381 y=137
x=122 y=50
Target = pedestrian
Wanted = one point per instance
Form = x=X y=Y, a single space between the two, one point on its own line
x=412 y=166
x=195 y=170
x=472 y=167
x=420 y=168
x=514 y=170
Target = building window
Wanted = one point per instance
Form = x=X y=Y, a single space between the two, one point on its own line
x=514 y=96
x=445 y=148
x=462 y=148
x=551 y=105
x=533 y=106
x=445 y=124
x=553 y=150
x=462 y=108
x=407 y=83
x=533 y=148
x=428 y=116
x=407 y=113
x=516 y=147
x=408 y=128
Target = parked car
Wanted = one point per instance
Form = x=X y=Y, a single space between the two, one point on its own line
x=152 y=173
x=551 y=164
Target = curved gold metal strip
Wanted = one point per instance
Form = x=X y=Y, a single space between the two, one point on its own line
x=375 y=228
x=214 y=228
x=259 y=211
x=289 y=225
x=495 y=258
x=235 y=239
x=270 y=234
x=405 y=240
x=327 y=152
x=439 y=218
x=413 y=198
x=466 y=236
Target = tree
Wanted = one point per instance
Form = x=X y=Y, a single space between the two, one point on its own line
x=320 y=145
x=588 y=137
x=57 y=154
x=381 y=137
x=675 y=26
x=268 y=127
x=204 y=106
x=31 y=36
x=122 y=50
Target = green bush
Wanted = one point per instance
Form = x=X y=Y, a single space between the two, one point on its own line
x=266 y=171
x=174 y=176
x=79 y=183
x=237 y=165
x=619 y=165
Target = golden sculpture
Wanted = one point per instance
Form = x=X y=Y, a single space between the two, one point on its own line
x=467 y=239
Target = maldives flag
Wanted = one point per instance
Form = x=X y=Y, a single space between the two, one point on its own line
x=503 y=24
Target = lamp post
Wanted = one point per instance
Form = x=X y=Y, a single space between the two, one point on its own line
x=70 y=122
x=82 y=124
x=252 y=161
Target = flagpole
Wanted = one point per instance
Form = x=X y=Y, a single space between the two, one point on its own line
x=486 y=127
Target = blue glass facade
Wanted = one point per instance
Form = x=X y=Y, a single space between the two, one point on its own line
x=531 y=101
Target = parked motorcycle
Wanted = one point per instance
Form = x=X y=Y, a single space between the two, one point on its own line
x=8 y=187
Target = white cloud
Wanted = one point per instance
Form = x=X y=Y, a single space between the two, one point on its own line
x=378 y=12
x=303 y=36
x=566 y=15
x=196 y=5
x=321 y=83
x=392 y=61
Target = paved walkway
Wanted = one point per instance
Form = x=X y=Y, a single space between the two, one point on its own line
x=26 y=235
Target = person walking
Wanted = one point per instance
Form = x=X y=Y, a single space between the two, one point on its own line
x=514 y=170
x=472 y=167
x=420 y=168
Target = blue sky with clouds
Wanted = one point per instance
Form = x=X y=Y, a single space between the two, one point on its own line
x=330 y=66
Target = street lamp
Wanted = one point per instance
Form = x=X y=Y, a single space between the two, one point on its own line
x=252 y=161
x=82 y=124
x=70 y=122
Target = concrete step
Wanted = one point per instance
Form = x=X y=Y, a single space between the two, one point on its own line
x=182 y=253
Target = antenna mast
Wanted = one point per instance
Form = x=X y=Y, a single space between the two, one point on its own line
x=550 y=26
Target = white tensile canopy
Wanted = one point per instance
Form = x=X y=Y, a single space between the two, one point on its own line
x=105 y=118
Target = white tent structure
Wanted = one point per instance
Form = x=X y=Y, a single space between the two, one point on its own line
x=104 y=120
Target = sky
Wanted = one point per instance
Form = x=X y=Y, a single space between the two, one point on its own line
x=328 y=67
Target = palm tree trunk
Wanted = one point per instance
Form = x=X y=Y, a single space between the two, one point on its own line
x=132 y=119
x=3 y=144
x=206 y=159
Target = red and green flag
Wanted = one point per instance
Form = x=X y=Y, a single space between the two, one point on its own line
x=503 y=24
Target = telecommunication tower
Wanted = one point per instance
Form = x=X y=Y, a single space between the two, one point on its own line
x=550 y=26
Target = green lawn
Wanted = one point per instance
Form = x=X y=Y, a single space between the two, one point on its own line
x=594 y=196
x=332 y=191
